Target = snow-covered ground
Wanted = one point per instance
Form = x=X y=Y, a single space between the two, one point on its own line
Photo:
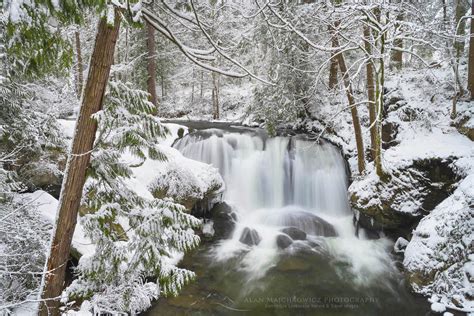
x=46 y=205
x=440 y=257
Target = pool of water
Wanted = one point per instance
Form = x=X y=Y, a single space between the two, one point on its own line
x=304 y=282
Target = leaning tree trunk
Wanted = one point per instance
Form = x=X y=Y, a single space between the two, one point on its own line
x=79 y=65
x=151 y=67
x=354 y=112
x=470 y=84
x=370 y=92
x=78 y=161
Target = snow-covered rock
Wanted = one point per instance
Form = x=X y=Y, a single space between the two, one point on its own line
x=185 y=180
x=208 y=229
x=400 y=245
x=439 y=258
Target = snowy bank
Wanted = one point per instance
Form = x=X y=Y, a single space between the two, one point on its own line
x=440 y=257
x=185 y=180
x=47 y=206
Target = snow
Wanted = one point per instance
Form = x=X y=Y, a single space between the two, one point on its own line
x=15 y=12
x=85 y=310
x=442 y=243
x=47 y=206
x=438 y=307
x=68 y=127
x=428 y=144
x=183 y=178
x=400 y=245
x=208 y=228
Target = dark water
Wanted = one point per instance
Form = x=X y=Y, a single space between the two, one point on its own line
x=303 y=283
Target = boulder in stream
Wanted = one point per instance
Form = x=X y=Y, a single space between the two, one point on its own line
x=224 y=220
x=299 y=222
x=250 y=237
x=294 y=233
x=283 y=241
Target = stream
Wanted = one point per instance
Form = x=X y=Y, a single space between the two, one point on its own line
x=294 y=247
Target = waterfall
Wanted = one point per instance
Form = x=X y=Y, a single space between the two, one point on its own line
x=273 y=172
x=288 y=193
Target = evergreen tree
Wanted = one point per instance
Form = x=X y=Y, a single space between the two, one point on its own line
x=131 y=266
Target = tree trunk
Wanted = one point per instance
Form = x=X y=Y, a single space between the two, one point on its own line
x=370 y=92
x=470 y=82
x=127 y=48
x=461 y=30
x=79 y=65
x=459 y=48
x=397 y=55
x=78 y=161
x=151 y=67
x=201 y=93
x=333 y=67
x=354 y=112
x=192 y=88
x=215 y=96
x=445 y=14
x=162 y=87
x=380 y=83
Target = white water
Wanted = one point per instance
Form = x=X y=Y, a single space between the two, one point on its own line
x=271 y=183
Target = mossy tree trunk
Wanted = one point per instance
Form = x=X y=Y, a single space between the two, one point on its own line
x=78 y=161
x=370 y=92
x=79 y=65
x=353 y=107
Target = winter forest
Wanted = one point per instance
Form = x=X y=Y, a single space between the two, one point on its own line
x=236 y=157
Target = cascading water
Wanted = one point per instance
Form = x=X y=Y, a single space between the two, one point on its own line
x=274 y=172
x=274 y=184
x=294 y=237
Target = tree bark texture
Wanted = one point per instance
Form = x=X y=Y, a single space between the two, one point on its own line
x=354 y=112
x=370 y=93
x=79 y=65
x=78 y=162
x=470 y=81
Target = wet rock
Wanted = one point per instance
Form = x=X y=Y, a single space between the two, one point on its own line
x=294 y=233
x=224 y=220
x=363 y=230
x=283 y=241
x=307 y=223
x=180 y=132
x=250 y=237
